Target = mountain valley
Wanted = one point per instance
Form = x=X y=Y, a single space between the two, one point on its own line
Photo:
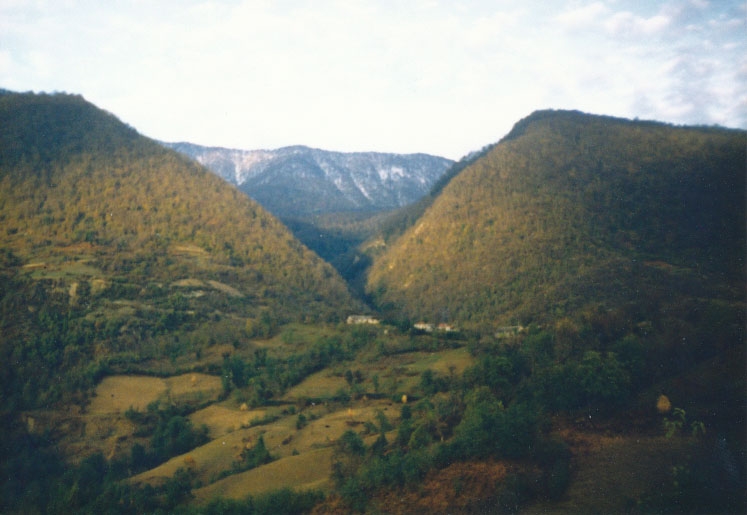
x=553 y=324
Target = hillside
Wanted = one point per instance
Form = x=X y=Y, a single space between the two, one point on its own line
x=170 y=348
x=573 y=212
x=298 y=181
x=128 y=242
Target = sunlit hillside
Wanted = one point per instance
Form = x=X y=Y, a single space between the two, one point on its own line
x=575 y=212
x=557 y=328
x=125 y=242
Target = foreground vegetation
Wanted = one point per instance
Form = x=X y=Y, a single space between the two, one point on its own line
x=391 y=420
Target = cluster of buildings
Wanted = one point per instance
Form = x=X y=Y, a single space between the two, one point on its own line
x=430 y=328
x=362 y=319
x=420 y=326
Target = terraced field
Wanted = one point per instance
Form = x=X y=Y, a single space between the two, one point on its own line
x=299 y=428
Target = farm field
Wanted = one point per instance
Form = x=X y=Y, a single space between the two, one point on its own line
x=292 y=446
x=365 y=393
x=116 y=394
x=306 y=471
x=300 y=429
x=372 y=378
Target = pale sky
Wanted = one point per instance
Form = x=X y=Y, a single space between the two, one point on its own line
x=441 y=77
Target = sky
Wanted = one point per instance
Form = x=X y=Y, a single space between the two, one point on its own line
x=441 y=77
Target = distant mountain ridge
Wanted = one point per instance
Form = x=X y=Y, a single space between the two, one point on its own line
x=297 y=181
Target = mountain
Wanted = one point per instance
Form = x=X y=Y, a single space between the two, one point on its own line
x=117 y=250
x=293 y=182
x=169 y=347
x=574 y=213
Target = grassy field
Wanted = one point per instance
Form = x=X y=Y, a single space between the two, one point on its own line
x=231 y=433
x=309 y=470
x=222 y=419
x=396 y=374
x=56 y=268
x=103 y=426
x=609 y=472
x=444 y=362
x=209 y=459
x=318 y=385
x=118 y=393
x=192 y=388
x=302 y=451
x=300 y=429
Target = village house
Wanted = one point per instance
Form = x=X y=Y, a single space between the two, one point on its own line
x=429 y=328
x=423 y=326
x=362 y=319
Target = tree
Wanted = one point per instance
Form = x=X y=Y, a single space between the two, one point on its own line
x=474 y=434
x=347 y=457
x=178 y=488
x=597 y=382
x=602 y=380
x=256 y=455
x=489 y=429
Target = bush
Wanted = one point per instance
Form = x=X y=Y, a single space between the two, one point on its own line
x=279 y=502
x=255 y=456
x=489 y=429
x=347 y=457
x=598 y=381
x=286 y=502
x=175 y=436
x=178 y=488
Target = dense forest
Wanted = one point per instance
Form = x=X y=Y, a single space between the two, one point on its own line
x=571 y=212
x=171 y=348
x=113 y=245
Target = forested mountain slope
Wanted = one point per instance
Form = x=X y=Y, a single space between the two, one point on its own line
x=110 y=241
x=298 y=181
x=573 y=212
x=170 y=348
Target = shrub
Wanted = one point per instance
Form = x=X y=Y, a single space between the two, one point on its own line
x=255 y=456
x=286 y=502
x=598 y=381
x=347 y=457
x=176 y=436
x=489 y=429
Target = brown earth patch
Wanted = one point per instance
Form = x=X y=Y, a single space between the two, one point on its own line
x=455 y=489
x=459 y=488
x=610 y=472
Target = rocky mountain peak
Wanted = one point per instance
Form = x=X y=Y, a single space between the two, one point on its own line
x=298 y=180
